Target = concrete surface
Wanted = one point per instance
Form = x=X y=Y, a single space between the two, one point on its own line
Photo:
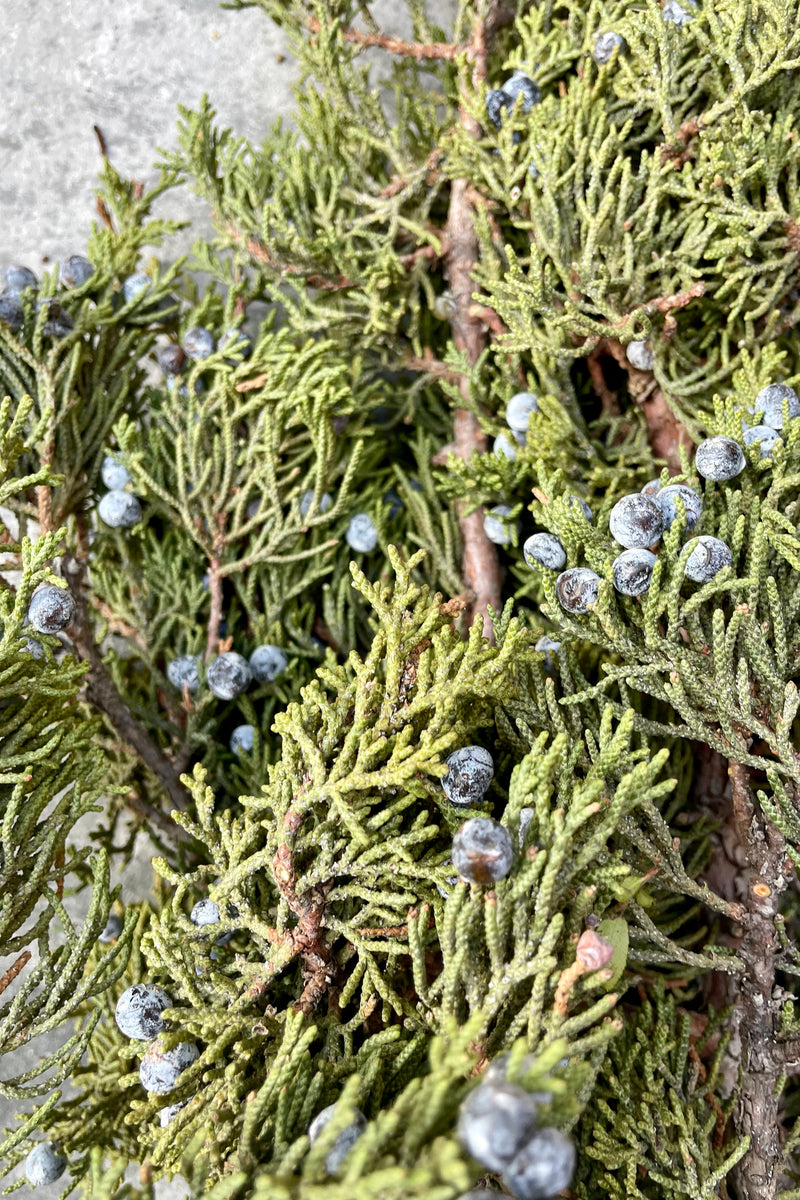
x=67 y=65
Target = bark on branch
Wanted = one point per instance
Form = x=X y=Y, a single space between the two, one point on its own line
x=480 y=562
x=757 y=1009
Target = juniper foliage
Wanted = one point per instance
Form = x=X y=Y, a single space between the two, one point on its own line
x=420 y=266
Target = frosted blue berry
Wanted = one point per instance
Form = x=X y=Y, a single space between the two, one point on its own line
x=469 y=772
x=496 y=529
x=577 y=589
x=59 y=323
x=675 y=13
x=344 y=1142
x=228 y=675
x=495 y=1121
x=113 y=474
x=236 y=342
x=708 y=557
x=17 y=279
x=719 y=458
x=543 y=1167
x=11 y=312
x=112 y=928
x=496 y=101
x=171 y=359
x=692 y=503
x=520 y=88
x=135 y=285
x=205 y=912
x=139 y=1009
x=547 y=646
x=504 y=447
x=182 y=672
x=482 y=850
x=544 y=550
x=160 y=1069
x=51 y=609
x=44 y=1165
x=166 y=1114
x=764 y=435
x=605 y=45
x=770 y=401
x=198 y=342
x=32 y=647
x=243 y=739
x=267 y=663
x=307 y=499
x=639 y=355
x=520 y=409
x=479 y=1194
x=633 y=571
x=75 y=271
x=652 y=487
x=636 y=521
x=361 y=536
x=119 y=509
x=572 y=501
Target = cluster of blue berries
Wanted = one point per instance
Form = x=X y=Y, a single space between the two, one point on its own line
x=519 y=411
x=345 y=1140
x=498 y=1126
x=638 y=521
x=228 y=676
x=139 y=1016
x=118 y=508
x=482 y=849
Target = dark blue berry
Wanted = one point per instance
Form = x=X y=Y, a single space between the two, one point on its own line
x=267 y=662
x=307 y=499
x=719 y=458
x=577 y=589
x=543 y=1167
x=652 y=487
x=44 y=1165
x=113 y=474
x=75 y=271
x=605 y=45
x=469 y=772
x=17 y=279
x=59 y=323
x=205 y=912
x=112 y=928
x=636 y=521
x=236 y=342
x=547 y=646
x=119 y=509
x=496 y=529
x=345 y=1140
x=198 y=342
x=362 y=536
x=544 y=550
x=11 y=312
x=171 y=359
x=504 y=447
x=135 y=285
x=228 y=675
x=482 y=851
x=51 y=609
x=766 y=437
x=521 y=88
x=182 y=672
x=495 y=1121
x=520 y=409
x=160 y=1068
x=708 y=557
x=640 y=355
x=243 y=739
x=633 y=571
x=770 y=401
x=666 y=500
x=572 y=501
x=139 y=1009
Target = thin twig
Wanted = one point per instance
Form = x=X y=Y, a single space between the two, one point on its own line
x=394 y=45
x=14 y=970
x=215 y=615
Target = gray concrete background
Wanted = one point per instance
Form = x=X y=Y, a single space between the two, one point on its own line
x=125 y=66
